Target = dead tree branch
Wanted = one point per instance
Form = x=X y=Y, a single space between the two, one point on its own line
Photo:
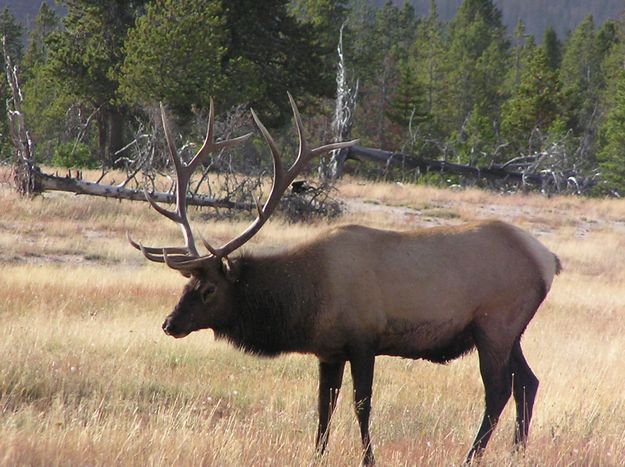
x=522 y=172
x=23 y=177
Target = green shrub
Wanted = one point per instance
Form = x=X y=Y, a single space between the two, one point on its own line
x=73 y=154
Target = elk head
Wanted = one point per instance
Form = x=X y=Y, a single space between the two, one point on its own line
x=207 y=299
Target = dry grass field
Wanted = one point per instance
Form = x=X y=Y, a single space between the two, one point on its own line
x=87 y=377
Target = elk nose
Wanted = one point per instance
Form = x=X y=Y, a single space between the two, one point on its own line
x=168 y=327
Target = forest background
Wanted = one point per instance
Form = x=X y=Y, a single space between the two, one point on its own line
x=440 y=80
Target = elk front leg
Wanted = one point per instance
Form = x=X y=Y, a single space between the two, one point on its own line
x=330 y=380
x=362 y=364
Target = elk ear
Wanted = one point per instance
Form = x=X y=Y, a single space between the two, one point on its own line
x=197 y=272
x=230 y=269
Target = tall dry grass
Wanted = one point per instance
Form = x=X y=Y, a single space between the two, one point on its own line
x=88 y=378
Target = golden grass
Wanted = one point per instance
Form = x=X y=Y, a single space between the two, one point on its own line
x=88 y=378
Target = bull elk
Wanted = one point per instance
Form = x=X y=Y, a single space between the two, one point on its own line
x=356 y=292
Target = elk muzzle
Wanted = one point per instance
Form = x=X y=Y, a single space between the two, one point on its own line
x=172 y=329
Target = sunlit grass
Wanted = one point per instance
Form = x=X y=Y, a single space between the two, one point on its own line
x=88 y=378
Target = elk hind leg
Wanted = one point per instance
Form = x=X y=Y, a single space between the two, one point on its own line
x=495 y=371
x=362 y=364
x=330 y=380
x=525 y=386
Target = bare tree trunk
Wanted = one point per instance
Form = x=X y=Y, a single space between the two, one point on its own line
x=115 y=136
x=101 y=120
x=343 y=120
x=23 y=172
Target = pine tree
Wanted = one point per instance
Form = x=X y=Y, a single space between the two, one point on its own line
x=522 y=51
x=379 y=41
x=552 y=47
x=535 y=104
x=583 y=75
x=275 y=53
x=13 y=31
x=44 y=106
x=428 y=53
x=326 y=16
x=46 y=22
x=407 y=105
x=611 y=156
x=84 y=61
x=580 y=78
x=175 y=54
x=428 y=59
x=478 y=59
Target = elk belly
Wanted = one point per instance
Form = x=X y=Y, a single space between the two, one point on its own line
x=435 y=341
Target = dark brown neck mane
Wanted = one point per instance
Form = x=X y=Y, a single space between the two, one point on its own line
x=274 y=307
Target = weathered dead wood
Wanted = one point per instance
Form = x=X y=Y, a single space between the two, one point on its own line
x=359 y=153
x=25 y=180
x=509 y=173
x=68 y=184
x=343 y=120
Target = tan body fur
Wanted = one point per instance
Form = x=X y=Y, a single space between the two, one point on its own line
x=412 y=291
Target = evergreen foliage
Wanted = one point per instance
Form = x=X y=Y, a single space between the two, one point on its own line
x=478 y=54
x=84 y=60
x=462 y=89
x=274 y=53
x=611 y=156
x=534 y=105
x=552 y=47
x=174 y=54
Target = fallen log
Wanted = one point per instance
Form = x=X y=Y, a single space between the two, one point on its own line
x=45 y=182
x=501 y=173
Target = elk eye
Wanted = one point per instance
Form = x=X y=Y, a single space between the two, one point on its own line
x=206 y=291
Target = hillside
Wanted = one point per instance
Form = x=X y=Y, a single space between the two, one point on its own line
x=563 y=15
x=26 y=10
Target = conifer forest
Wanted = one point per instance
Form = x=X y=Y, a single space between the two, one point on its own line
x=455 y=86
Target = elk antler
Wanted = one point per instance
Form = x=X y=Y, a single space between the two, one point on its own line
x=188 y=258
x=183 y=176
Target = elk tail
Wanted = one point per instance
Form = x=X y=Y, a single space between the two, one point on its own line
x=558 y=265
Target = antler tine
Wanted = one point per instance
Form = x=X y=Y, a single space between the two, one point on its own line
x=210 y=146
x=303 y=145
x=282 y=178
x=208 y=246
x=155 y=250
x=305 y=153
x=171 y=215
x=278 y=167
x=211 y=123
x=172 y=151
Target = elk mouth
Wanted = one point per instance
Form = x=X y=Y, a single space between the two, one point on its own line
x=172 y=330
x=177 y=335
